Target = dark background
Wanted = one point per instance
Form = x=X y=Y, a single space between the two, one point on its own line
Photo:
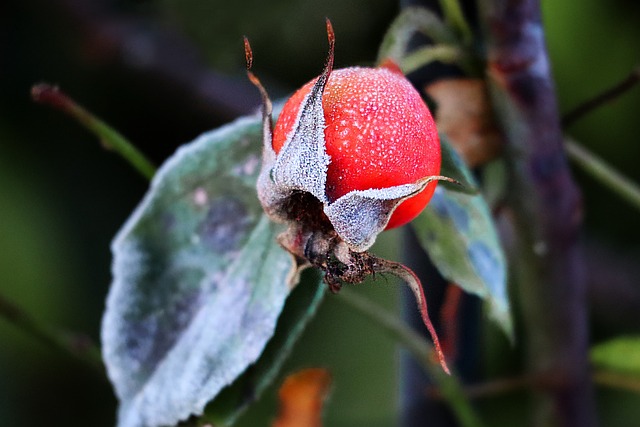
x=146 y=68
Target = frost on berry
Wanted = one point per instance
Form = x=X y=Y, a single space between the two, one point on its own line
x=332 y=234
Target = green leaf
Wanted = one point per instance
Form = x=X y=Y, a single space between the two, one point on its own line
x=410 y=21
x=457 y=231
x=620 y=354
x=454 y=167
x=199 y=281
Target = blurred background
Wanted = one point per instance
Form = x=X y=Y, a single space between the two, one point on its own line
x=164 y=71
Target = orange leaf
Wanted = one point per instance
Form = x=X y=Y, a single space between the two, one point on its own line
x=464 y=115
x=301 y=398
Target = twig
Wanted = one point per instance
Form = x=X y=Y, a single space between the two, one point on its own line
x=77 y=345
x=617 y=380
x=421 y=350
x=506 y=385
x=110 y=138
x=491 y=388
x=627 y=189
x=602 y=98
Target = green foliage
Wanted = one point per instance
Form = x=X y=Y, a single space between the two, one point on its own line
x=458 y=233
x=620 y=355
x=199 y=281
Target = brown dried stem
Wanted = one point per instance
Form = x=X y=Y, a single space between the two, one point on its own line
x=410 y=278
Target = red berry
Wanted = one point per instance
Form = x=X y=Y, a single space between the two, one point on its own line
x=379 y=133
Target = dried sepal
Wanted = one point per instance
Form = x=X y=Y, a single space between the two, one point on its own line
x=303 y=161
x=267 y=191
x=410 y=278
x=359 y=216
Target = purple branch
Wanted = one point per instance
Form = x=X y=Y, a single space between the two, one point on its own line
x=546 y=209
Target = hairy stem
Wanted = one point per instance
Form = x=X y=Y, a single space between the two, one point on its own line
x=545 y=205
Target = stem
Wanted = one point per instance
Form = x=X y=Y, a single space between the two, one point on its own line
x=428 y=54
x=545 y=205
x=78 y=346
x=110 y=138
x=395 y=42
x=604 y=173
x=423 y=352
x=493 y=387
x=506 y=385
x=617 y=380
x=602 y=98
x=453 y=15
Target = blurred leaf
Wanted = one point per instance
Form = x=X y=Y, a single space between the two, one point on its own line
x=454 y=167
x=301 y=398
x=199 y=281
x=410 y=21
x=465 y=116
x=457 y=231
x=619 y=354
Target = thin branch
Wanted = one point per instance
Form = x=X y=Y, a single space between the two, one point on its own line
x=491 y=388
x=602 y=98
x=627 y=189
x=79 y=346
x=617 y=380
x=110 y=138
x=421 y=350
x=507 y=385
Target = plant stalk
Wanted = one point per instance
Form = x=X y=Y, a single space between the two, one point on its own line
x=76 y=345
x=604 y=173
x=423 y=352
x=109 y=137
x=544 y=204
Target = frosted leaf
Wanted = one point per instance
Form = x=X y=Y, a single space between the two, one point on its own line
x=199 y=282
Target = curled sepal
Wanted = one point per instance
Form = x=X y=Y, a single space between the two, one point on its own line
x=301 y=164
x=410 y=278
x=360 y=215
